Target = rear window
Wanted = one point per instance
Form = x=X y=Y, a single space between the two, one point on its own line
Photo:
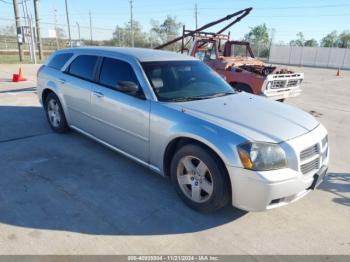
x=59 y=60
x=83 y=67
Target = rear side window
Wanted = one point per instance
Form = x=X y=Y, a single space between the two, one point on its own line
x=114 y=71
x=83 y=66
x=59 y=60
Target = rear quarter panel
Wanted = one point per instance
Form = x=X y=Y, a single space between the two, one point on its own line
x=48 y=79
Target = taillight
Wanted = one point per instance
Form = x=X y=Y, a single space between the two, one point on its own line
x=40 y=68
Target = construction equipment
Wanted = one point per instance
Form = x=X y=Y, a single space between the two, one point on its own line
x=186 y=33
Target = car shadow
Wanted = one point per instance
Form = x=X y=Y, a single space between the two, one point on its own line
x=339 y=185
x=71 y=183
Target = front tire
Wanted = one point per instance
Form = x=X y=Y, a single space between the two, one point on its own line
x=199 y=178
x=55 y=114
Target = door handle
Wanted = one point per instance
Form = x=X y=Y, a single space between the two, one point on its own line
x=61 y=80
x=98 y=94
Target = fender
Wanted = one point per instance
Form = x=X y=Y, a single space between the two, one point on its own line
x=168 y=124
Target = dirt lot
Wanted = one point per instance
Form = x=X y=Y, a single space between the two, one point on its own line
x=66 y=194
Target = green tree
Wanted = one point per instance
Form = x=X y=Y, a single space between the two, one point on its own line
x=344 y=39
x=258 y=35
x=330 y=40
x=311 y=42
x=166 y=31
x=300 y=41
x=122 y=35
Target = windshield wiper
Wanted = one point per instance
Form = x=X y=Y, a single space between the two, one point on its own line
x=184 y=99
x=180 y=99
x=214 y=95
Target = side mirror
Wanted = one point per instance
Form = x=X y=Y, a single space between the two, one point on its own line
x=128 y=87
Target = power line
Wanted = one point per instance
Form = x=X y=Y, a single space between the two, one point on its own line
x=5 y=2
x=284 y=7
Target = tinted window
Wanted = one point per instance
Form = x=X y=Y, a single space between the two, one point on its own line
x=59 y=60
x=114 y=71
x=185 y=80
x=83 y=66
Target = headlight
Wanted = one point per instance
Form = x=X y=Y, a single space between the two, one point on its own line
x=262 y=156
x=269 y=84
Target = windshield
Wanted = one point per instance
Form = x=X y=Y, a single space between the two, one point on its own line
x=185 y=80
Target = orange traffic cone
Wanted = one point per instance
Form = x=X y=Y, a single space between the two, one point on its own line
x=338 y=72
x=18 y=77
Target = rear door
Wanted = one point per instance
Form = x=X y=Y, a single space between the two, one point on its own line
x=121 y=119
x=77 y=85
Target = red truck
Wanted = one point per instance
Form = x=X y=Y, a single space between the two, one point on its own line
x=236 y=63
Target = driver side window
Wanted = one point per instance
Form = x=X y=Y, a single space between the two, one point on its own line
x=114 y=71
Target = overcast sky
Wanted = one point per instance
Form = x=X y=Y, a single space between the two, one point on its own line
x=315 y=18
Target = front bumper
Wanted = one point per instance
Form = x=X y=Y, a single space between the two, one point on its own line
x=261 y=190
x=282 y=93
x=258 y=191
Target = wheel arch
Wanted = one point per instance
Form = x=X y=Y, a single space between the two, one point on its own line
x=52 y=88
x=180 y=141
x=45 y=93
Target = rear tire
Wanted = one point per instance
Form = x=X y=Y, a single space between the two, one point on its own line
x=200 y=178
x=55 y=114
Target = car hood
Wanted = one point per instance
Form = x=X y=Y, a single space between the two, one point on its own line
x=252 y=117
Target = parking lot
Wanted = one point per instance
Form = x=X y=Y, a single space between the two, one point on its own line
x=66 y=194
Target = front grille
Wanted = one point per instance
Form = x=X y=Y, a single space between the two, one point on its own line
x=292 y=83
x=309 y=152
x=278 y=84
x=314 y=156
x=310 y=166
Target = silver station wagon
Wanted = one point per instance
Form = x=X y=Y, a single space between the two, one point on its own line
x=175 y=115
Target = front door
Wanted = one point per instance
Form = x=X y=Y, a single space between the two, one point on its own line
x=121 y=119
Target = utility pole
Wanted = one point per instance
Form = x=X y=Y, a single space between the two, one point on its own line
x=78 y=31
x=70 y=40
x=18 y=27
x=32 y=37
x=196 y=15
x=90 y=27
x=37 y=24
x=131 y=24
x=56 y=33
